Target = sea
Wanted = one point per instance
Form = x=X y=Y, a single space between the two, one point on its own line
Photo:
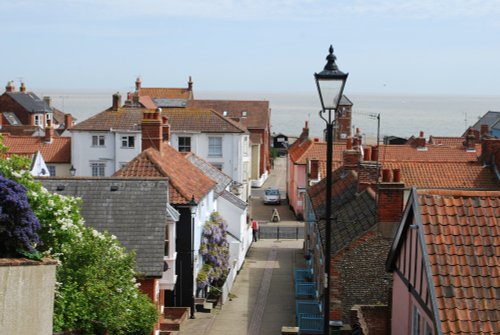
x=399 y=115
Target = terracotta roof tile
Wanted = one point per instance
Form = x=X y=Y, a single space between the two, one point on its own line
x=180 y=119
x=166 y=93
x=185 y=179
x=462 y=236
x=433 y=153
x=57 y=151
x=447 y=141
x=253 y=114
x=314 y=148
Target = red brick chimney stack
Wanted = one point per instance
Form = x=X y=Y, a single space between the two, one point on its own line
x=10 y=87
x=117 y=101
x=68 y=121
x=190 y=84
x=49 y=132
x=485 y=130
x=420 y=141
x=22 y=88
x=390 y=202
x=351 y=156
x=138 y=84
x=367 y=154
x=348 y=144
x=470 y=141
x=375 y=154
x=152 y=129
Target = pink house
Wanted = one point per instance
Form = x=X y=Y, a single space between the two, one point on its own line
x=444 y=261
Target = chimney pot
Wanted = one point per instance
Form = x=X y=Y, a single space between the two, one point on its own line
x=138 y=84
x=190 y=84
x=68 y=120
x=375 y=154
x=117 y=101
x=22 y=88
x=49 y=132
x=349 y=143
x=367 y=153
x=421 y=134
x=396 y=175
x=386 y=175
x=10 y=87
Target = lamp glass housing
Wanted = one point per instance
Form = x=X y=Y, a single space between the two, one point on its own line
x=330 y=91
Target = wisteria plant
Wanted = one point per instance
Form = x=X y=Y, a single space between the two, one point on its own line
x=214 y=249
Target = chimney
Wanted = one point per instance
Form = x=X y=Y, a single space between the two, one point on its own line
x=485 y=130
x=375 y=154
x=351 y=159
x=420 y=141
x=390 y=202
x=135 y=100
x=138 y=84
x=68 y=121
x=490 y=151
x=49 y=132
x=190 y=84
x=117 y=101
x=367 y=154
x=166 y=130
x=367 y=175
x=305 y=130
x=10 y=87
x=314 y=169
x=348 y=144
x=470 y=141
x=48 y=101
x=22 y=88
x=151 y=128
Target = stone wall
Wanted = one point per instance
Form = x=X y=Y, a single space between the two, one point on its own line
x=26 y=296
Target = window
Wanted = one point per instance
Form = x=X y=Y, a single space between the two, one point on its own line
x=98 y=140
x=47 y=118
x=128 y=141
x=184 y=144
x=215 y=146
x=38 y=120
x=245 y=146
x=98 y=169
x=52 y=170
x=415 y=324
x=167 y=242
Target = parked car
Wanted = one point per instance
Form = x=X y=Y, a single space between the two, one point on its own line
x=272 y=196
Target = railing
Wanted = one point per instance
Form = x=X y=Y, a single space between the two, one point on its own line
x=281 y=232
x=309 y=317
x=305 y=290
x=300 y=275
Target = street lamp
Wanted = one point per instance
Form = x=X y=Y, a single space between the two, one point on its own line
x=330 y=83
x=72 y=171
x=192 y=206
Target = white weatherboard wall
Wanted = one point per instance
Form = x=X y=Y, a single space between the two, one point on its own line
x=27 y=297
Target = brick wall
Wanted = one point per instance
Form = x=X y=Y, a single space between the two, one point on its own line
x=358 y=275
x=370 y=319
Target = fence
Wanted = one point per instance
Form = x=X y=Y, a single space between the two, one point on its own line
x=281 y=232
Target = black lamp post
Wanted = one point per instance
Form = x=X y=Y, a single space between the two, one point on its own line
x=192 y=206
x=330 y=82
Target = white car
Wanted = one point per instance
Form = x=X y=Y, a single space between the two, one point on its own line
x=272 y=196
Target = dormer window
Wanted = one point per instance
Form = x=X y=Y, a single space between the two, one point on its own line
x=37 y=120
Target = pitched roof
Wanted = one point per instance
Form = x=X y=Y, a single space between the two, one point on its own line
x=354 y=213
x=57 y=151
x=460 y=233
x=235 y=200
x=166 y=93
x=254 y=114
x=30 y=102
x=180 y=119
x=455 y=141
x=134 y=210
x=314 y=148
x=490 y=118
x=463 y=175
x=222 y=179
x=185 y=179
x=432 y=153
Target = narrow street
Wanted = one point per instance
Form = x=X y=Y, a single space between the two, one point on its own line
x=263 y=294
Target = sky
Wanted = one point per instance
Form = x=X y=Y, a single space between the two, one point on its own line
x=428 y=47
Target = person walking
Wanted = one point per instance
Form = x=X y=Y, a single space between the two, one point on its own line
x=255 y=230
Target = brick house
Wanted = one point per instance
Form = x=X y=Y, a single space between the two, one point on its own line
x=255 y=116
x=444 y=263
x=362 y=232
x=137 y=212
x=23 y=112
x=186 y=184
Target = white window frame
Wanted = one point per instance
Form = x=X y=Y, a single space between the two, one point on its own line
x=52 y=170
x=184 y=147
x=246 y=146
x=166 y=252
x=128 y=141
x=37 y=120
x=98 y=169
x=98 y=141
x=214 y=146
